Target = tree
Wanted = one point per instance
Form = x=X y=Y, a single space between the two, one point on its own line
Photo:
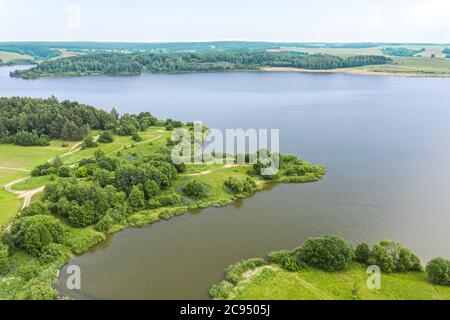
x=438 y=271
x=136 y=137
x=362 y=252
x=34 y=209
x=89 y=142
x=136 y=199
x=64 y=172
x=151 y=189
x=106 y=137
x=196 y=190
x=391 y=257
x=330 y=253
x=34 y=233
x=82 y=216
x=70 y=132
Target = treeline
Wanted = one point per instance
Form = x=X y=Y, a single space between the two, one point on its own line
x=401 y=52
x=35 y=50
x=126 y=64
x=33 y=122
x=446 y=51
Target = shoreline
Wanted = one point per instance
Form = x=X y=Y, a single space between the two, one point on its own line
x=354 y=71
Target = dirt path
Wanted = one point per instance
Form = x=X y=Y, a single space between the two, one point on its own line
x=26 y=195
x=15 y=169
x=210 y=171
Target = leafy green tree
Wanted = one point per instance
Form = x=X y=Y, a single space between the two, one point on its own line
x=330 y=253
x=196 y=190
x=438 y=271
x=34 y=209
x=136 y=199
x=64 y=172
x=106 y=137
x=391 y=257
x=34 y=233
x=71 y=132
x=362 y=253
x=89 y=142
x=151 y=189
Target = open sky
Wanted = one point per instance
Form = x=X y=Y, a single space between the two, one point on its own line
x=203 y=20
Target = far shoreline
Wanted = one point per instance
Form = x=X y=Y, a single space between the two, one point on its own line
x=354 y=71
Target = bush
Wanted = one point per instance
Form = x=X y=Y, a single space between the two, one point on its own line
x=82 y=216
x=106 y=137
x=438 y=271
x=163 y=200
x=136 y=199
x=195 y=189
x=136 y=137
x=391 y=257
x=105 y=224
x=234 y=273
x=89 y=142
x=34 y=209
x=330 y=253
x=32 y=234
x=221 y=291
x=37 y=290
x=5 y=263
x=237 y=186
x=63 y=172
x=54 y=253
x=362 y=252
x=286 y=259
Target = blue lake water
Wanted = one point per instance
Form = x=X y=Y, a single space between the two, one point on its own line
x=384 y=140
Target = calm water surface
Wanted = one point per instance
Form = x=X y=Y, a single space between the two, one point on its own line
x=385 y=142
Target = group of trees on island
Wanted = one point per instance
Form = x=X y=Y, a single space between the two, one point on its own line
x=128 y=64
x=34 y=122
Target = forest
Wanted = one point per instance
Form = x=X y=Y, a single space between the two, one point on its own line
x=128 y=64
x=34 y=122
x=401 y=52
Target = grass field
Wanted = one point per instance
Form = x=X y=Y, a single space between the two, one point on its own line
x=29 y=157
x=9 y=56
x=9 y=205
x=272 y=283
x=412 y=65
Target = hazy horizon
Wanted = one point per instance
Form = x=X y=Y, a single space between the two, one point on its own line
x=324 y=21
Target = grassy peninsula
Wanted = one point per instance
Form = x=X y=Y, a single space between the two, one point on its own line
x=72 y=174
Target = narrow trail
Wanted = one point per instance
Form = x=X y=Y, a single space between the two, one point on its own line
x=15 y=169
x=226 y=166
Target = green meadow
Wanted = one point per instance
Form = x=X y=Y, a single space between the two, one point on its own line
x=273 y=283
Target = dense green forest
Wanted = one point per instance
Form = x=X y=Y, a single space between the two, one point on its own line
x=401 y=52
x=28 y=121
x=126 y=64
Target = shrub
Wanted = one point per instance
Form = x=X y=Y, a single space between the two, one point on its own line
x=438 y=271
x=89 y=142
x=54 y=252
x=221 y=291
x=286 y=259
x=34 y=233
x=362 y=252
x=105 y=224
x=34 y=209
x=169 y=199
x=63 y=172
x=106 y=137
x=136 y=199
x=391 y=257
x=330 y=253
x=234 y=273
x=37 y=290
x=136 y=137
x=5 y=263
x=82 y=216
x=196 y=189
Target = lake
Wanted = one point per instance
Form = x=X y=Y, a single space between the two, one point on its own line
x=385 y=142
